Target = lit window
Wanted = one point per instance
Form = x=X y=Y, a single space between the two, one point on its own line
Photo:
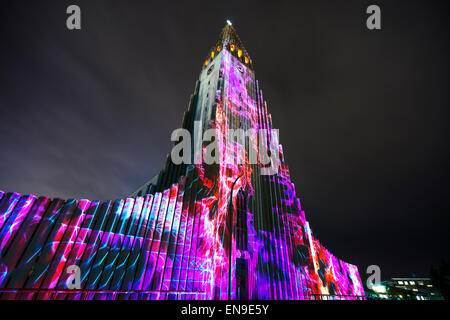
x=218 y=48
x=429 y=285
x=239 y=53
x=232 y=47
x=379 y=288
x=246 y=59
x=420 y=283
x=400 y=282
x=415 y=290
x=412 y=282
x=206 y=62
x=212 y=54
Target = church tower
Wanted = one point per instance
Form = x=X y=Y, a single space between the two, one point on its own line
x=262 y=245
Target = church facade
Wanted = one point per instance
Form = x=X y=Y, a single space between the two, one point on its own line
x=227 y=229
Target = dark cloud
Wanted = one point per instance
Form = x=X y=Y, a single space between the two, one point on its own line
x=362 y=115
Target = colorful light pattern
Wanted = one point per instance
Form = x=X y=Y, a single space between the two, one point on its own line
x=220 y=231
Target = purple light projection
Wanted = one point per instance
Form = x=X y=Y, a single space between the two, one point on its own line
x=220 y=231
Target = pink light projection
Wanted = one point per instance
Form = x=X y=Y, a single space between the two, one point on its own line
x=197 y=231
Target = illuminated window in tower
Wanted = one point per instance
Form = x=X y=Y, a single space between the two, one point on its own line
x=218 y=48
x=232 y=47
x=212 y=54
x=246 y=59
x=206 y=62
x=239 y=53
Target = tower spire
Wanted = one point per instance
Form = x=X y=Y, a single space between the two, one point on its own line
x=229 y=40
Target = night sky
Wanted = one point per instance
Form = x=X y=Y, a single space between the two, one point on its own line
x=363 y=115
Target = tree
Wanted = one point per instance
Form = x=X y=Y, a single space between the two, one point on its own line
x=440 y=278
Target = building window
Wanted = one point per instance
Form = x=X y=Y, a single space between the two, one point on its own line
x=210 y=70
x=232 y=47
x=400 y=282
x=239 y=53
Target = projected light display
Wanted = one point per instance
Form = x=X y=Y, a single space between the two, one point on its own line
x=226 y=230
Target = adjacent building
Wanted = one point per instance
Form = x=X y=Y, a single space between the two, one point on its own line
x=405 y=289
